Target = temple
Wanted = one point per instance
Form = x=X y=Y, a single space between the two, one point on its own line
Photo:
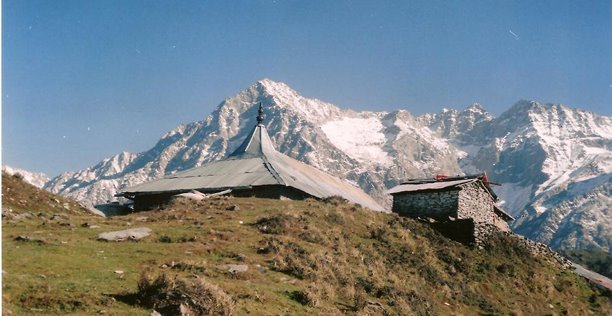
x=254 y=169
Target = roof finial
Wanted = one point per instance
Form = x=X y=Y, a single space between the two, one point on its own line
x=260 y=115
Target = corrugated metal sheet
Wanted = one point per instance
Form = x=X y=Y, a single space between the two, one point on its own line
x=219 y=174
x=439 y=185
x=224 y=167
x=256 y=163
x=317 y=183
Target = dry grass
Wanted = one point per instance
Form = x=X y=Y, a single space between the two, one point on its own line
x=303 y=257
x=20 y=197
x=172 y=296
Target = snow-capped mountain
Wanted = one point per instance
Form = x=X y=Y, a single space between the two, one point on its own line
x=554 y=162
x=37 y=179
x=555 y=165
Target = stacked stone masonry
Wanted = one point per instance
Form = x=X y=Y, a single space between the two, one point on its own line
x=454 y=206
x=475 y=203
x=437 y=204
x=541 y=250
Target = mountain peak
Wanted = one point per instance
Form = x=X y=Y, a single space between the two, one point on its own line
x=476 y=113
x=524 y=106
x=276 y=88
x=476 y=107
x=283 y=96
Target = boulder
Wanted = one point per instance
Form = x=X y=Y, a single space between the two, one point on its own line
x=233 y=207
x=234 y=268
x=128 y=234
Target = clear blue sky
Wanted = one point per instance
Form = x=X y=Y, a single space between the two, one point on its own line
x=116 y=75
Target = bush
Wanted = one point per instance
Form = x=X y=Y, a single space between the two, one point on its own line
x=165 y=239
x=180 y=297
x=308 y=297
x=269 y=245
x=335 y=200
x=276 y=224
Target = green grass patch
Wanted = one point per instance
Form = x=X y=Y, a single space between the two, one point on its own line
x=302 y=258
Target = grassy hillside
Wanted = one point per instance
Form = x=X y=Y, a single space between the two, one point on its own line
x=594 y=259
x=21 y=198
x=301 y=257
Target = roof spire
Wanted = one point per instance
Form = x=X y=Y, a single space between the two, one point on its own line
x=260 y=115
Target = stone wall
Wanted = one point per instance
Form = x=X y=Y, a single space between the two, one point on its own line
x=482 y=231
x=461 y=230
x=541 y=250
x=475 y=202
x=466 y=215
x=501 y=224
x=433 y=204
x=150 y=201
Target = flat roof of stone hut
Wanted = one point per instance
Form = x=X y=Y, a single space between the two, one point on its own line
x=427 y=186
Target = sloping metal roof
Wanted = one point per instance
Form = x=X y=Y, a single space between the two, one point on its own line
x=256 y=163
x=507 y=217
x=438 y=185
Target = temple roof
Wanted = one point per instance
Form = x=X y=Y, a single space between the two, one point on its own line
x=256 y=163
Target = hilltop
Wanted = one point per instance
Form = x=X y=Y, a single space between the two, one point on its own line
x=268 y=257
x=21 y=199
x=37 y=179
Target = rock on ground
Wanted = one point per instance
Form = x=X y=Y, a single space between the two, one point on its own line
x=128 y=234
x=234 y=268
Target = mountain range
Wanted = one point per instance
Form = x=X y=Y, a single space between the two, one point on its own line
x=553 y=162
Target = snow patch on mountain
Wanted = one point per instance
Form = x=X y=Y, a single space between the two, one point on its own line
x=558 y=127
x=360 y=138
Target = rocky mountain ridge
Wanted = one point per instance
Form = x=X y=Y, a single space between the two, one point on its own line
x=554 y=161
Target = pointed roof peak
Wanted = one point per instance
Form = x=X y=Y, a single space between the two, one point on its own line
x=258 y=142
x=260 y=115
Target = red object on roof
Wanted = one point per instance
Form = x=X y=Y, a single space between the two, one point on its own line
x=485 y=179
x=441 y=177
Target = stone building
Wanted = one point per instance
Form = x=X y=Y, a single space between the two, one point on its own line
x=463 y=208
x=254 y=169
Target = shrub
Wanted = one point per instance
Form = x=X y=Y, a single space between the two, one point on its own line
x=180 y=297
x=335 y=200
x=269 y=245
x=165 y=239
x=308 y=297
x=313 y=235
x=276 y=224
